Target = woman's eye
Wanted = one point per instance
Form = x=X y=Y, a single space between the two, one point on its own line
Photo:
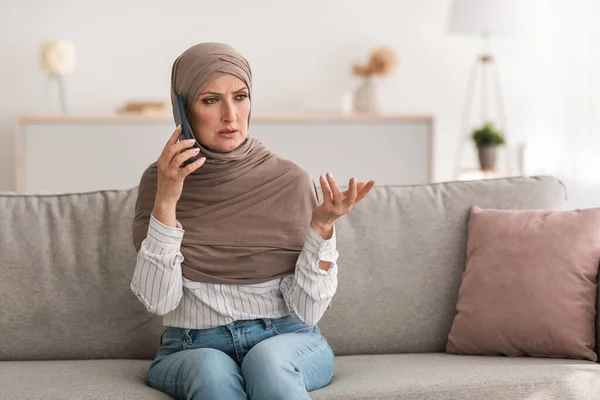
x=241 y=96
x=209 y=100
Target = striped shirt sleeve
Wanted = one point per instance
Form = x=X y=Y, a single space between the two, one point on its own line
x=309 y=290
x=157 y=279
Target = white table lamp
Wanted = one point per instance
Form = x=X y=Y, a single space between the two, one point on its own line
x=58 y=59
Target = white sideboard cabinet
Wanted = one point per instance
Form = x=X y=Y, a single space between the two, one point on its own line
x=78 y=153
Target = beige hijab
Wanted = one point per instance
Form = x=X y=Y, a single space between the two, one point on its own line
x=245 y=212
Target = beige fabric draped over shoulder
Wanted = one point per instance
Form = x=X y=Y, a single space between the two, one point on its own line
x=245 y=212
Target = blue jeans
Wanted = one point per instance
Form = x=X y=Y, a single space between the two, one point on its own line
x=253 y=359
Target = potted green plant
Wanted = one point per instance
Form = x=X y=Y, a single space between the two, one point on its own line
x=487 y=139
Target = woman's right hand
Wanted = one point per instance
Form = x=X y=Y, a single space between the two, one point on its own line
x=170 y=175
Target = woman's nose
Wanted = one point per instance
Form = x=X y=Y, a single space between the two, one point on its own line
x=229 y=114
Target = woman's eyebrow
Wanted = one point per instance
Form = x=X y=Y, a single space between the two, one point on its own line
x=217 y=93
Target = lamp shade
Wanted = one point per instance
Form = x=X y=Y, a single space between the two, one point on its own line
x=489 y=17
x=58 y=57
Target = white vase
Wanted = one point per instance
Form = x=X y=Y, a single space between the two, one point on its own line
x=347 y=104
x=367 y=98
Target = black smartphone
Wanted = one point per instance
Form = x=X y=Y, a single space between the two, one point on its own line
x=186 y=130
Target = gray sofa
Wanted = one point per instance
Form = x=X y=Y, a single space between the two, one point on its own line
x=71 y=328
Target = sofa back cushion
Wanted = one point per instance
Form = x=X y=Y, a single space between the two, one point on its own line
x=67 y=261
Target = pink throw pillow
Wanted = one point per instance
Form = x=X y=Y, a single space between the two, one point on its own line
x=529 y=288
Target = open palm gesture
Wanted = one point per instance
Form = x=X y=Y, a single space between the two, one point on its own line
x=337 y=203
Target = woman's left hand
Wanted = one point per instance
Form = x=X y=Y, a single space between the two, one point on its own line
x=336 y=203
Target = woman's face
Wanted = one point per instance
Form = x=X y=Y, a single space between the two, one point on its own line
x=220 y=115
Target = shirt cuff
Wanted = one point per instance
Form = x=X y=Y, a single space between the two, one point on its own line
x=164 y=234
x=324 y=248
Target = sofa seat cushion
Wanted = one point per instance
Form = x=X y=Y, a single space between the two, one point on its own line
x=79 y=379
x=395 y=376
x=445 y=376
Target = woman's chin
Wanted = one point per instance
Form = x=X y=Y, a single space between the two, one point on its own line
x=228 y=144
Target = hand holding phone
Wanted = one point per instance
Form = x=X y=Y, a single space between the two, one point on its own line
x=170 y=172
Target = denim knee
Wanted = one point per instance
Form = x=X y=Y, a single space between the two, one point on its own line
x=269 y=376
x=210 y=373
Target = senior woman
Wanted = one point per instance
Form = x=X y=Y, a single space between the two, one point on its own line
x=241 y=259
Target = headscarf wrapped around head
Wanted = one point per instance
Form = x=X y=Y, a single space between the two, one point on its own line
x=202 y=64
x=245 y=212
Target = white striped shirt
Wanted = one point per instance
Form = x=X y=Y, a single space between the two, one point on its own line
x=159 y=284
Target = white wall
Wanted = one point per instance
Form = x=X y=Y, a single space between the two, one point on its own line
x=301 y=53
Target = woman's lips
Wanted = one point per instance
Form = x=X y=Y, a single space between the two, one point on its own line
x=227 y=132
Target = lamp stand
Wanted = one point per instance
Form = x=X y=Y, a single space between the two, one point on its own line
x=52 y=79
x=482 y=66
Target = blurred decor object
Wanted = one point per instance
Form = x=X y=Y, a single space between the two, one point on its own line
x=382 y=62
x=58 y=59
x=485 y=19
x=143 y=107
x=487 y=139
